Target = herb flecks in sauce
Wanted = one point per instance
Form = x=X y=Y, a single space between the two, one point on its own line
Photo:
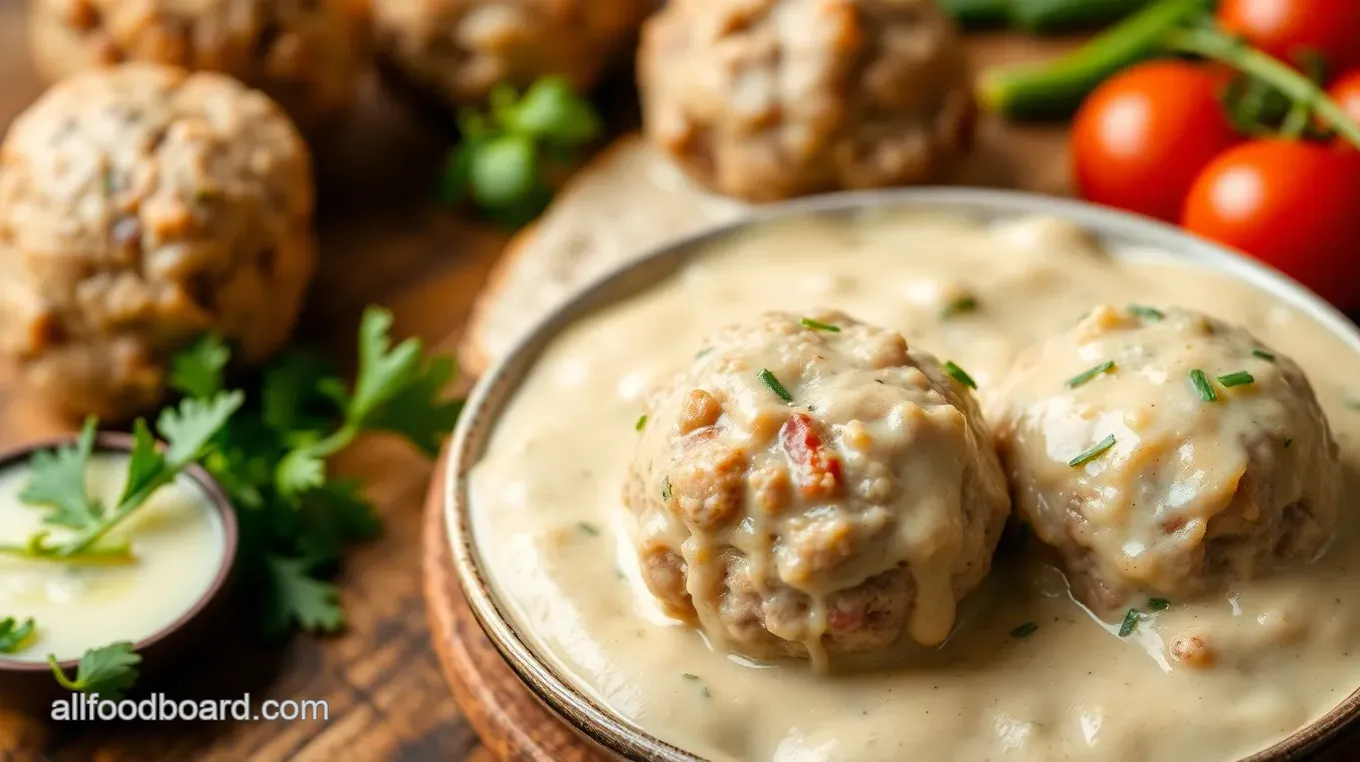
x=1158 y=604
x=769 y=380
x=588 y=529
x=1236 y=378
x=1130 y=621
x=1202 y=386
x=1089 y=374
x=818 y=325
x=959 y=374
x=641 y=423
x=1264 y=355
x=666 y=489
x=1093 y=452
x=960 y=306
x=1147 y=313
x=1024 y=630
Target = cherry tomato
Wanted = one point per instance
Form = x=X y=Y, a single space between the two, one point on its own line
x=1346 y=92
x=1291 y=204
x=1141 y=138
x=1287 y=28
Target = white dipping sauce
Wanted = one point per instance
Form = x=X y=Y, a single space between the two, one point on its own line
x=1070 y=690
x=177 y=538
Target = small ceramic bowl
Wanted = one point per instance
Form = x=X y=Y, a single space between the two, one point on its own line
x=31 y=685
x=1116 y=230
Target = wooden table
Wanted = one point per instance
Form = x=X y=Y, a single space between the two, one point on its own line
x=381 y=242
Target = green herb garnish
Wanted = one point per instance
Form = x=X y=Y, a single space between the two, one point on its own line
x=689 y=676
x=1288 y=442
x=1158 y=604
x=588 y=528
x=107 y=671
x=1202 y=385
x=959 y=374
x=501 y=158
x=666 y=489
x=1130 y=621
x=1147 y=313
x=1264 y=355
x=959 y=306
x=641 y=423
x=766 y=376
x=1089 y=374
x=14 y=635
x=1237 y=378
x=1024 y=630
x=1093 y=452
x=818 y=325
x=57 y=480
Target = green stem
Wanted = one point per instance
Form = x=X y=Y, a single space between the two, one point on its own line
x=110 y=554
x=1210 y=43
x=1056 y=88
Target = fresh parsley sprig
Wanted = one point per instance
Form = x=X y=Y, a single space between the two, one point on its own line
x=503 y=157
x=14 y=635
x=109 y=671
x=272 y=459
x=57 y=480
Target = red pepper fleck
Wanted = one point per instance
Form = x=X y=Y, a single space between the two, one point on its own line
x=817 y=471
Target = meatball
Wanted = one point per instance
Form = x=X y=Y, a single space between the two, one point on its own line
x=140 y=206
x=458 y=50
x=813 y=486
x=306 y=54
x=1163 y=452
x=768 y=99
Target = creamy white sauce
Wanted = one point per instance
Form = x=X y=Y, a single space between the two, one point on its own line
x=553 y=535
x=177 y=538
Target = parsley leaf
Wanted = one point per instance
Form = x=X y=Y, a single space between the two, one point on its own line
x=14 y=635
x=417 y=412
x=197 y=370
x=295 y=596
x=57 y=481
x=107 y=671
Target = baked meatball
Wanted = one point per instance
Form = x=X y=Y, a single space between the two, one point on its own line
x=767 y=99
x=812 y=487
x=306 y=54
x=140 y=206
x=1163 y=452
x=458 y=50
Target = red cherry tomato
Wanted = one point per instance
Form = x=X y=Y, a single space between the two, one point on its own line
x=1141 y=138
x=1291 y=204
x=1346 y=92
x=1287 y=28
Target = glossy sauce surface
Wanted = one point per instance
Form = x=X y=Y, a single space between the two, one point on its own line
x=177 y=538
x=1028 y=674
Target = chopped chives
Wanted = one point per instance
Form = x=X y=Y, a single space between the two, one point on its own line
x=959 y=374
x=666 y=489
x=1130 y=621
x=1150 y=313
x=641 y=423
x=1237 y=378
x=1089 y=374
x=1202 y=385
x=959 y=306
x=1093 y=452
x=776 y=387
x=1024 y=630
x=1264 y=355
x=818 y=325
x=1158 y=604
x=588 y=528
x=689 y=676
